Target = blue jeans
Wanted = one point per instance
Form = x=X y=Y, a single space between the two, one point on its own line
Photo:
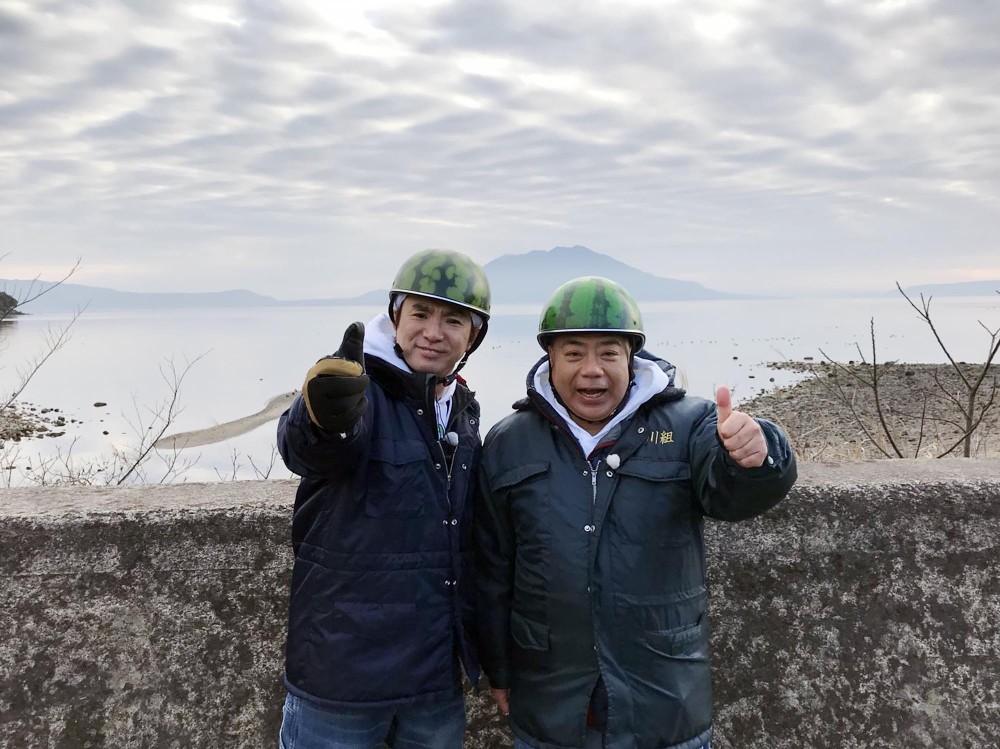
x=427 y=725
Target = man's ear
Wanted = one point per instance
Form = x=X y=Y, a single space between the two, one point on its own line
x=472 y=337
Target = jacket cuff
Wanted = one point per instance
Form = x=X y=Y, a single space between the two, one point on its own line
x=498 y=679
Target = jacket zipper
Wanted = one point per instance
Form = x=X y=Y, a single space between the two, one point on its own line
x=448 y=464
x=593 y=485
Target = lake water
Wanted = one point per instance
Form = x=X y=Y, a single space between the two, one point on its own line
x=247 y=356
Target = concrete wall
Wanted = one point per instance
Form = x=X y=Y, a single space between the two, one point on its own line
x=862 y=612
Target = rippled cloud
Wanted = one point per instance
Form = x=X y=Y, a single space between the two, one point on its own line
x=299 y=149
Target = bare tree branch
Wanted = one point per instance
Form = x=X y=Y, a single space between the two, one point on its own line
x=925 y=314
x=965 y=436
x=265 y=473
x=923 y=424
x=166 y=415
x=969 y=397
x=837 y=391
x=36 y=289
x=55 y=339
x=875 y=393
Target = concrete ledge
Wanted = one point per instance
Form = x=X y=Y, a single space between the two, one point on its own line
x=863 y=611
x=145 y=617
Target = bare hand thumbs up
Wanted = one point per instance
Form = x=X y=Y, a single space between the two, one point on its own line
x=740 y=434
x=724 y=400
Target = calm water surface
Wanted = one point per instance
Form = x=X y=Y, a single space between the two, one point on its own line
x=248 y=356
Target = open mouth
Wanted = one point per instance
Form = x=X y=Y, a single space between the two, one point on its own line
x=591 y=394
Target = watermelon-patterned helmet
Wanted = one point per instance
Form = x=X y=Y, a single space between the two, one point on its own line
x=591 y=304
x=445 y=275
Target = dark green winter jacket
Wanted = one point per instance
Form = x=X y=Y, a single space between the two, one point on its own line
x=589 y=569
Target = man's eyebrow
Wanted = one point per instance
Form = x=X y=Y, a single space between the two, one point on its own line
x=447 y=310
x=609 y=341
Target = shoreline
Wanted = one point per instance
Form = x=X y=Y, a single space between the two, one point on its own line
x=820 y=425
x=228 y=430
x=917 y=400
x=25 y=421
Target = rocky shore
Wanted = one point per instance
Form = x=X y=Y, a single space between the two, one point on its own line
x=823 y=414
x=25 y=420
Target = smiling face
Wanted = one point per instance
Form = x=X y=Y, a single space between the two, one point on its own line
x=433 y=335
x=590 y=373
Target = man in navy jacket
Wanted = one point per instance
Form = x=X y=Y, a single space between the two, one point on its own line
x=386 y=439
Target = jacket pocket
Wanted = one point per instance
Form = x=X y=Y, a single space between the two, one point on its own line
x=398 y=484
x=525 y=489
x=373 y=621
x=526 y=493
x=518 y=474
x=664 y=665
x=661 y=615
x=528 y=635
x=690 y=641
x=653 y=504
x=656 y=470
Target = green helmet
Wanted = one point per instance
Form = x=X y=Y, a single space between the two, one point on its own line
x=591 y=304
x=445 y=275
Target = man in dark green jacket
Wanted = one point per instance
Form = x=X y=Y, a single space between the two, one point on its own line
x=590 y=556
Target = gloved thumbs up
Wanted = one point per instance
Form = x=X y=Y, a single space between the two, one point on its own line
x=352 y=348
x=334 y=390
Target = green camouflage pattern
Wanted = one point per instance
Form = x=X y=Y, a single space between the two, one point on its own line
x=591 y=304
x=446 y=275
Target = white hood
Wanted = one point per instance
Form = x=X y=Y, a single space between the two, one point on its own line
x=380 y=341
x=649 y=380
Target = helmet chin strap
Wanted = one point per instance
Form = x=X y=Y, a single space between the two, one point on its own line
x=451 y=378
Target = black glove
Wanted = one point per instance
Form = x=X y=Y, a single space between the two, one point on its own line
x=334 y=390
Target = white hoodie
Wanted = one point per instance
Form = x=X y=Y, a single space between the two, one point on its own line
x=649 y=380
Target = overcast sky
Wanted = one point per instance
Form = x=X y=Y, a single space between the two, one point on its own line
x=306 y=148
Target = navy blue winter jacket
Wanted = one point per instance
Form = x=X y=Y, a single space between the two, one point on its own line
x=381 y=606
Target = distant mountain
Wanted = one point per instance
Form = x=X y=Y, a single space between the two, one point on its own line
x=533 y=276
x=968 y=288
x=515 y=279
x=379 y=296
x=68 y=297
